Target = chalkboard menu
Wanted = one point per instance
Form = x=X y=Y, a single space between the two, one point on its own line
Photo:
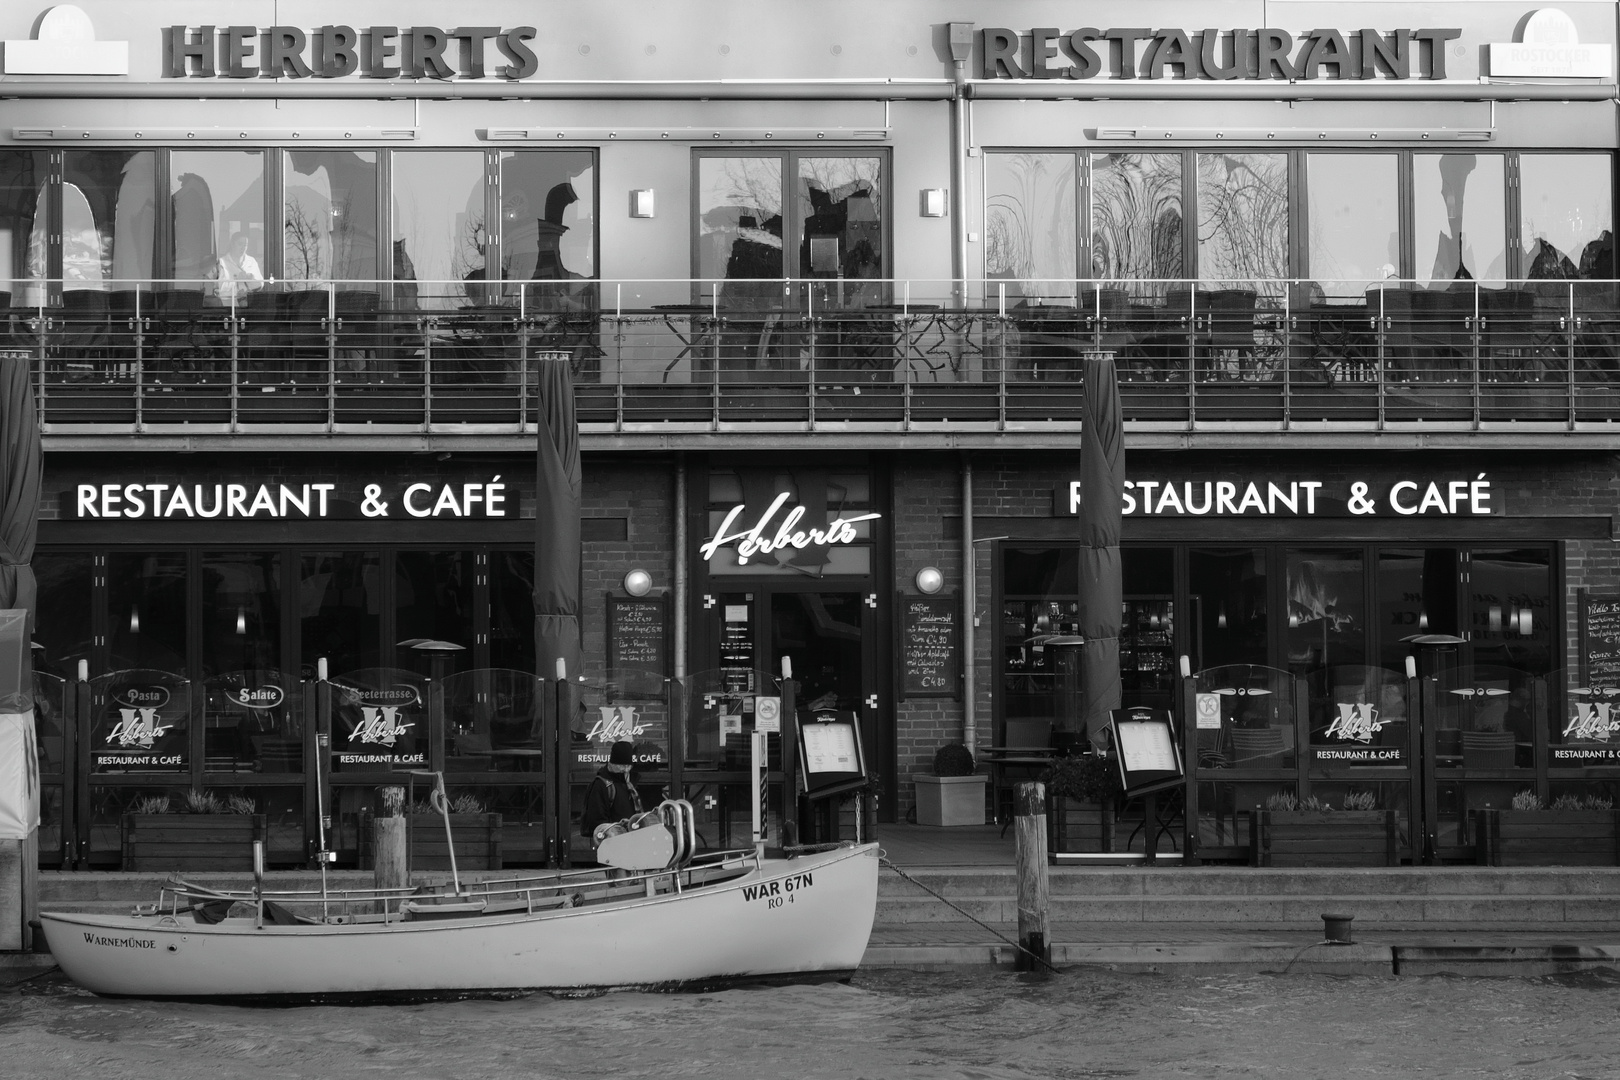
x=930 y=643
x=1600 y=638
x=637 y=634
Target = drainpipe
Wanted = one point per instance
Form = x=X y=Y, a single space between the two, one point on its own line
x=681 y=569
x=961 y=39
x=970 y=607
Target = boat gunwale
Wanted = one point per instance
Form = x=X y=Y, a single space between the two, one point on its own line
x=150 y=922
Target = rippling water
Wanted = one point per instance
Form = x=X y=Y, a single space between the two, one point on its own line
x=969 y=1024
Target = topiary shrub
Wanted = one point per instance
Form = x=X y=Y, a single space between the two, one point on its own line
x=953 y=759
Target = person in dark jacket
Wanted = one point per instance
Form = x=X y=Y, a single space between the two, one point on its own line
x=612 y=796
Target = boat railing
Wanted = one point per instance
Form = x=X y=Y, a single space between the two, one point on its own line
x=526 y=894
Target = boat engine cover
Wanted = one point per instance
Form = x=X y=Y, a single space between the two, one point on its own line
x=651 y=847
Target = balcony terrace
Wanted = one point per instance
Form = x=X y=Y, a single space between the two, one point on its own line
x=860 y=364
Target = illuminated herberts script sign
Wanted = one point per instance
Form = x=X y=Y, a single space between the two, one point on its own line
x=789 y=534
x=1415 y=497
x=1045 y=52
x=316 y=502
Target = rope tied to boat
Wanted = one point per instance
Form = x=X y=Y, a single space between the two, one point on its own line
x=1043 y=961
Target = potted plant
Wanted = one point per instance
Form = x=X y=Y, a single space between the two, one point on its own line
x=1080 y=795
x=200 y=831
x=954 y=793
x=1293 y=831
x=1574 y=831
x=476 y=833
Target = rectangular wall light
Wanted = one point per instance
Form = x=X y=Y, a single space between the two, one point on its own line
x=933 y=202
x=641 y=202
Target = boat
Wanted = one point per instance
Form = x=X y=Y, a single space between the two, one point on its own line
x=661 y=916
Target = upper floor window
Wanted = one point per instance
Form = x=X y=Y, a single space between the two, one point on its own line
x=831 y=228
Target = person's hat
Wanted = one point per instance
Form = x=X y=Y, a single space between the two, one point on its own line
x=621 y=754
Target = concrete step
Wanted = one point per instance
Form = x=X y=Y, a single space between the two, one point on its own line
x=1120 y=882
x=1300 y=909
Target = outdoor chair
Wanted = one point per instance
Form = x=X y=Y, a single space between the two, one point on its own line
x=1260 y=748
x=1024 y=753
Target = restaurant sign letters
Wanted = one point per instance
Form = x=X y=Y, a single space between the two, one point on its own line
x=1407 y=497
x=1045 y=52
x=315 y=502
x=334 y=52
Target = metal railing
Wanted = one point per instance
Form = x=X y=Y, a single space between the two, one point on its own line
x=463 y=356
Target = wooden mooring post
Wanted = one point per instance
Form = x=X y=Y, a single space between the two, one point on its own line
x=1034 y=891
x=391 y=841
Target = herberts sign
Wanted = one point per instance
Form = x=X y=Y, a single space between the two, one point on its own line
x=1045 y=52
x=1412 y=497
x=333 y=52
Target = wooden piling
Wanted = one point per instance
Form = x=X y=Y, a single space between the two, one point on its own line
x=1034 y=892
x=390 y=840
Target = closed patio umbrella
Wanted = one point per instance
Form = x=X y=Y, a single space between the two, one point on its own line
x=1102 y=478
x=556 y=523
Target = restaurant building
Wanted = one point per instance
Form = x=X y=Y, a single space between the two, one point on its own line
x=288 y=284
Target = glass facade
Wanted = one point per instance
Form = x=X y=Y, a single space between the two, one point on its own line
x=1343 y=221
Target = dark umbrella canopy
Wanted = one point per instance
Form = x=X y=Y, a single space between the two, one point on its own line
x=1102 y=479
x=556 y=523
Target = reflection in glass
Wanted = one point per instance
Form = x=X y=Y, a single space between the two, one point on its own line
x=511 y=610
x=548 y=215
x=1228 y=589
x=1326 y=623
x=1459 y=219
x=218 y=228
x=433 y=598
x=241 y=612
x=1354 y=231
x=841 y=213
x=329 y=226
x=339 y=610
x=1566 y=217
x=740 y=224
x=65 y=583
x=1510 y=596
x=23 y=176
x=1242 y=217
x=146 y=605
x=439 y=233
x=1029 y=228
x=1136 y=216
x=109 y=218
x=1417 y=594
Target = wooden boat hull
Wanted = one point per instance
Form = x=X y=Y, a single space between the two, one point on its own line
x=801 y=917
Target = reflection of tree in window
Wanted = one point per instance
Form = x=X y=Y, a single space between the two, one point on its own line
x=740 y=218
x=1242 y=216
x=329 y=230
x=1566 y=215
x=1136 y=216
x=1029 y=220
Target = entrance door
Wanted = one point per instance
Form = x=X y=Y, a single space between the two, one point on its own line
x=830 y=638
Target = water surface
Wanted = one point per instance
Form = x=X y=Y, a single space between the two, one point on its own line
x=967 y=1024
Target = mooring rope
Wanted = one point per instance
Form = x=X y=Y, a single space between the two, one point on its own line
x=884 y=860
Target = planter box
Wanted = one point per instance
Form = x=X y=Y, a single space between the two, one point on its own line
x=1075 y=826
x=950 y=800
x=477 y=838
x=190 y=841
x=1548 y=837
x=1324 y=838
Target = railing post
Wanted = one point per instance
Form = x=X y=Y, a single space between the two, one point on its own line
x=1569 y=352
x=1379 y=321
x=1288 y=357
x=1476 y=341
x=1001 y=366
